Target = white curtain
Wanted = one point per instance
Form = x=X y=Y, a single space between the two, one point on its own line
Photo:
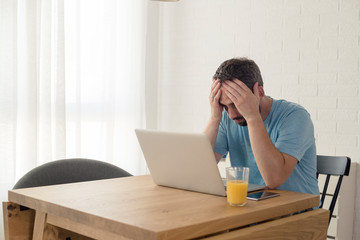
x=105 y=87
x=71 y=83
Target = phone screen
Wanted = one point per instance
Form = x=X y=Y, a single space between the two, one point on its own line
x=262 y=195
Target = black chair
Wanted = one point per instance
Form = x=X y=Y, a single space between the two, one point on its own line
x=332 y=166
x=51 y=173
x=69 y=171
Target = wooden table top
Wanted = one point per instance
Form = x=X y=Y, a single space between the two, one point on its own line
x=134 y=207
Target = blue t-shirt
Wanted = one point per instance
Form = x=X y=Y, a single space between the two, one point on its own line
x=291 y=131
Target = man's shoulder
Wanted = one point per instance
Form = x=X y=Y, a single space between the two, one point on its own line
x=286 y=112
x=287 y=107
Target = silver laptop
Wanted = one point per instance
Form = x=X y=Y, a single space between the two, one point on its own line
x=183 y=160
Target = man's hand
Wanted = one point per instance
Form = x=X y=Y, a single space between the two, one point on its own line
x=246 y=102
x=214 y=98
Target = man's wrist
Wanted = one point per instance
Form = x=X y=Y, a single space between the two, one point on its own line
x=214 y=120
x=256 y=119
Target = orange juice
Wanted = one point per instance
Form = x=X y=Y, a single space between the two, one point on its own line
x=236 y=192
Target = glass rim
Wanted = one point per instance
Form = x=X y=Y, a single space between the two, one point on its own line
x=237 y=168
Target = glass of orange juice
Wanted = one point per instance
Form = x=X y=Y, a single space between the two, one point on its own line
x=237 y=179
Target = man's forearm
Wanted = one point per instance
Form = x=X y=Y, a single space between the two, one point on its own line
x=273 y=167
x=211 y=130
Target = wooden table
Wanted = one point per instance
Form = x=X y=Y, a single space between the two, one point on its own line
x=136 y=208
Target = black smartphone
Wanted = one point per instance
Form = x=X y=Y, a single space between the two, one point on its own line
x=262 y=195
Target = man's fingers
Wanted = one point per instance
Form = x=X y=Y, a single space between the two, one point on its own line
x=215 y=89
x=214 y=82
x=233 y=89
x=242 y=85
x=256 y=89
x=217 y=96
x=230 y=95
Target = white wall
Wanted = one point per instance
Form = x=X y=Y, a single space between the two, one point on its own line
x=308 y=51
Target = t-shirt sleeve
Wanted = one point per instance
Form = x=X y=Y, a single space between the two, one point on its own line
x=296 y=134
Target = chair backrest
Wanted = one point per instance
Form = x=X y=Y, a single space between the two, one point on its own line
x=332 y=166
x=69 y=171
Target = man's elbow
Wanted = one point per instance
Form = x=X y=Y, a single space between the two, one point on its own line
x=275 y=183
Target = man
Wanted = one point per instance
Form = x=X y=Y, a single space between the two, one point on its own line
x=274 y=138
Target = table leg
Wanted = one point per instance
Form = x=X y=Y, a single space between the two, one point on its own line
x=39 y=225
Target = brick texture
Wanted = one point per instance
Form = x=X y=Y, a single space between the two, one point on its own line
x=308 y=51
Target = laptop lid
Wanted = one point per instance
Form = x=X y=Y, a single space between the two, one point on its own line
x=184 y=161
x=181 y=160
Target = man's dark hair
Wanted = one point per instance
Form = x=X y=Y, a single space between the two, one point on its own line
x=244 y=69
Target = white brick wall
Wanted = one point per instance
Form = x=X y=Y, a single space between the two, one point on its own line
x=308 y=51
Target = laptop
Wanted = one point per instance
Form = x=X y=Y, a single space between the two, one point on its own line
x=184 y=161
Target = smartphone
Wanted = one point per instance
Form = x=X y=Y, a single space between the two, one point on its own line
x=262 y=195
